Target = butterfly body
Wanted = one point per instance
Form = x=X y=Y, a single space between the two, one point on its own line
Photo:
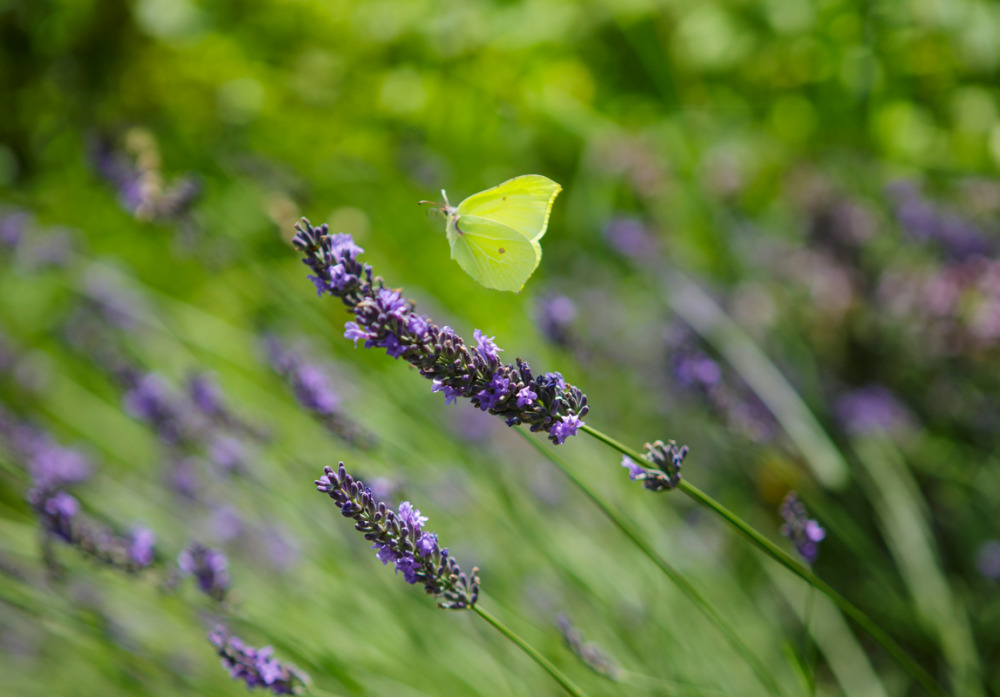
x=494 y=235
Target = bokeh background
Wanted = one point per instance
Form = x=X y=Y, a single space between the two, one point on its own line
x=777 y=244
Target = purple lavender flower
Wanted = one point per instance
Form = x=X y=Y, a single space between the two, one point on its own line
x=564 y=428
x=631 y=238
x=555 y=314
x=592 y=655
x=870 y=408
x=141 y=548
x=960 y=237
x=525 y=397
x=451 y=394
x=228 y=453
x=13 y=224
x=309 y=382
x=149 y=399
x=383 y=318
x=205 y=393
x=486 y=347
x=208 y=566
x=50 y=465
x=256 y=667
x=398 y=537
x=696 y=369
x=60 y=517
x=314 y=391
x=137 y=179
x=805 y=533
x=988 y=560
x=665 y=473
x=225 y=523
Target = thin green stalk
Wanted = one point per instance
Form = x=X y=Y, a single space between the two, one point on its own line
x=808 y=654
x=631 y=532
x=796 y=567
x=538 y=658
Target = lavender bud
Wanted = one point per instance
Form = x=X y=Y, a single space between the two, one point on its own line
x=398 y=536
x=665 y=473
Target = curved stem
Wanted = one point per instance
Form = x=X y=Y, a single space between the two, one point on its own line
x=685 y=586
x=796 y=567
x=538 y=658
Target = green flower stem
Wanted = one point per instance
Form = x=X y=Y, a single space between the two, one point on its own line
x=538 y=658
x=631 y=532
x=796 y=567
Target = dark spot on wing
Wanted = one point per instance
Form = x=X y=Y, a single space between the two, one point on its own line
x=504 y=198
x=502 y=250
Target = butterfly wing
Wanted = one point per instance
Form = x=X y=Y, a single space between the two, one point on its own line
x=494 y=254
x=522 y=203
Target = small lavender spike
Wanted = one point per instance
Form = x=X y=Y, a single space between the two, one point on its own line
x=665 y=474
x=805 y=533
x=209 y=567
x=256 y=667
x=399 y=537
x=60 y=517
x=592 y=655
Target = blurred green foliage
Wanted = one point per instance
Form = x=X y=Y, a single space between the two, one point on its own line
x=753 y=144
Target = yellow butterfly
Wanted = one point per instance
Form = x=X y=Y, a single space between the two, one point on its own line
x=494 y=234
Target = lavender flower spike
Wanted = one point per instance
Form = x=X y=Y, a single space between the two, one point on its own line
x=384 y=319
x=400 y=538
x=60 y=517
x=209 y=566
x=666 y=459
x=256 y=667
x=805 y=533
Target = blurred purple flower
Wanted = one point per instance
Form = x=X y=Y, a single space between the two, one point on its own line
x=138 y=181
x=60 y=517
x=805 y=533
x=630 y=237
x=555 y=314
x=14 y=222
x=592 y=655
x=696 y=369
x=141 y=548
x=149 y=399
x=205 y=393
x=256 y=667
x=225 y=523
x=988 y=560
x=49 y=464
x=870 y=408
x=960 y=237
x=228 y=453
x=283 y=548
x=314 y=391
x=208 y=566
